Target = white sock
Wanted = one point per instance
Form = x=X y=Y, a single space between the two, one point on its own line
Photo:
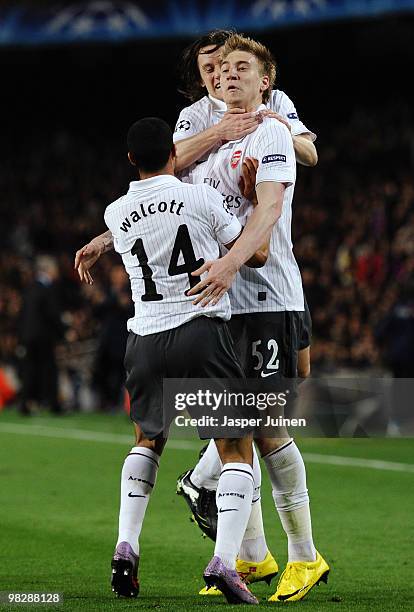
x=207 y=471
x=288 y=477
x=254 y=546
x=234 y=500
x=138 y=478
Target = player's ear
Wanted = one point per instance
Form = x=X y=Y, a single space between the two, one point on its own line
x=131 y=159
x=265 y=82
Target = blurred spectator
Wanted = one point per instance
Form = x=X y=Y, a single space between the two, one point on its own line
x=112 y=310
x=395 y=333
x=40 y=329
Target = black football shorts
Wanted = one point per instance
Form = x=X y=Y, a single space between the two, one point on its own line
x=267 y=343
x=200 y=348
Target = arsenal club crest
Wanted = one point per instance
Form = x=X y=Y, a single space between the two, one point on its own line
x=235 y=158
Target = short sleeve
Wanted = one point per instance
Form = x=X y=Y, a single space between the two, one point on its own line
x=190 y=122
x=282 y=104
x=110 y=220
x=226 y=227
x=273 y=149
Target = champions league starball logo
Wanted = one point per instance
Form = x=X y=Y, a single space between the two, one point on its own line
x=182 y=126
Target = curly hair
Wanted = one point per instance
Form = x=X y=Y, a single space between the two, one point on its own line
x=189 y=73
x=238 y=42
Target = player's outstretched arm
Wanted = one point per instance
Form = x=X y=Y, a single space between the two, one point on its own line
x=305 y=150
x=235 y=124
x=221 y=272
x=89 y=254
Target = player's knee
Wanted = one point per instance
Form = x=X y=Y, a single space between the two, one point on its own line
x=235 y=450
x=156 y=444
x=268 y=445
x=304 y=367
x=304 y=371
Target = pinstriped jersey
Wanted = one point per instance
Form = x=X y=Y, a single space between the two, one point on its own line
x=277 y=286
x=164 y=230
x=209 y=111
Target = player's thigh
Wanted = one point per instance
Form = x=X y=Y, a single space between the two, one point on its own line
x=145 y=367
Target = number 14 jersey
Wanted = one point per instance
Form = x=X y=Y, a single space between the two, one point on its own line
x=165 y=229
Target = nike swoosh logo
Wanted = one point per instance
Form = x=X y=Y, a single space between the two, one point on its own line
x=284 y=597
x=132 y=495
x=264 y=374
x=228 y=510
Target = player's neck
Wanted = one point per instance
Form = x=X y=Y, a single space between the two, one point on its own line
x=248 y=105
x=168 y=169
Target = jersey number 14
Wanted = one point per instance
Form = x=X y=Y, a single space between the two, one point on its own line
x=182 y=245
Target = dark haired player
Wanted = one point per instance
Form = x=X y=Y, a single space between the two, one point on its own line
x=164 y=230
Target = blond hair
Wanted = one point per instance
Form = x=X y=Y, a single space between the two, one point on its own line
x=267 y=63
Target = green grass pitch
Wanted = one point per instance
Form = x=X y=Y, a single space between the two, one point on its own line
x=59 y=512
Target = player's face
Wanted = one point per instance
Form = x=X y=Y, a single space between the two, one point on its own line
x=209 y=67
x=241 y=82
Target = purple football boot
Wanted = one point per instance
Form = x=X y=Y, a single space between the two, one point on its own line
x=228 y=582
x=124 y=565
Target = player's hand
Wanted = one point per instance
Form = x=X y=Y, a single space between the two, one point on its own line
x=236 y=124
x=247 y=182
x=272 y=115
x=210 y=290
x=85 y=258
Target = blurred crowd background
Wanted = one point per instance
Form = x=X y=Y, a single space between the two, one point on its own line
x=63 y=160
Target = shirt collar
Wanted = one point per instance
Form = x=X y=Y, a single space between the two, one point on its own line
x=219 y=105
x=162 y=180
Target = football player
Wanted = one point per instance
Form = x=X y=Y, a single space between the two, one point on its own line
x=163 y=230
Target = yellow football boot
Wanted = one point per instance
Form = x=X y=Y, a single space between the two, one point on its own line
x=250 y=572
x=210 y=591
x=299 y=577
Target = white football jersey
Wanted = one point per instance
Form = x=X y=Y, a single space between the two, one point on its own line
x=209 y=111
x=277 y=286
x=164 y=229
